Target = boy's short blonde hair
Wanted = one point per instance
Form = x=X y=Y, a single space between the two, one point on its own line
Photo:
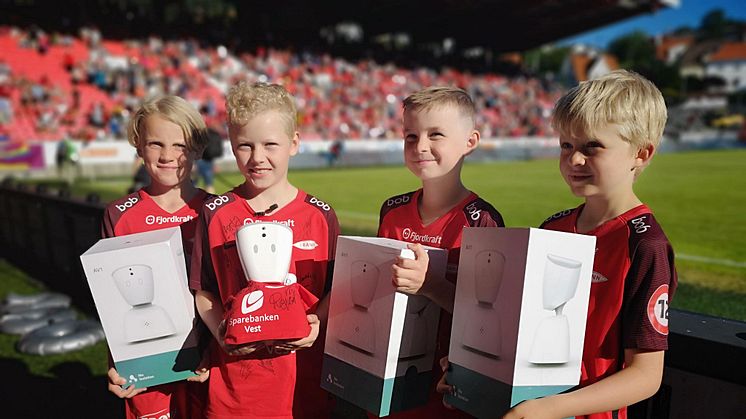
x=173 y=109
x=622 y=98
x=437 y=96
x=245 y=101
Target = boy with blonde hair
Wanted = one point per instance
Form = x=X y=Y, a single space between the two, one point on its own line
x=169 y=134
x=609 y=130
x=439 y=132
x=258 y=380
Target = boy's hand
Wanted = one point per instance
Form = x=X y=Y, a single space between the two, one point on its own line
x=202 y=372
x=115 y=386
x=202 y=375
x=306 y=342
x=236 y=350
x=443 y=387
x=409 y=275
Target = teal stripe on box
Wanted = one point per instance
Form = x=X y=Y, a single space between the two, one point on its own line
x=521 y=393
x=159 y=368
x=358 y=387
x=485 y=397
x=372 y=393
x=388 y=388
x=476 y=394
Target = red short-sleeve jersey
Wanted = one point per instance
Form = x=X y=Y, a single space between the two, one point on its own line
x=400 y=219
x=262 y=384
x=634 y=279
x=137 y=213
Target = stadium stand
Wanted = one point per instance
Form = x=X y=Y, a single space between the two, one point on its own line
x=84 y=87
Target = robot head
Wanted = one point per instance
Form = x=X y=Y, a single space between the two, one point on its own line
x=265 y=250
x=135 y=283
x=488 y=272
x=561 y=277
x=363 y=282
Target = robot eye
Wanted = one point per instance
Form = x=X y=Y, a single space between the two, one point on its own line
x=256 y=249
x=274 y=248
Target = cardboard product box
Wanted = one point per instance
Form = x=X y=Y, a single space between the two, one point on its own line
x=380 y=344
x=139 y=286
x=519 y=316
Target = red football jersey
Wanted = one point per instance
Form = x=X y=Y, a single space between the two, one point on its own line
x=268 y=311
x=400 y=219
x=137 y=213
x=634 y=279
x=262 y=384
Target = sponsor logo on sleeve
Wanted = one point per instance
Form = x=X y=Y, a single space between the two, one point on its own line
x=639 y=224
x=399 y=200
x=218 y=201
x=658 y=310
x=559 y=215
x=126 y=204
x=473 y=211
x=319 y=203
x=305 y=245
x=598 y=278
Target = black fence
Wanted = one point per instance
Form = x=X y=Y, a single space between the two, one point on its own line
x=44 y=233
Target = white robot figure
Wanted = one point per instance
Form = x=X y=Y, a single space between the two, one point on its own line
x=482 y=334
x=273 y=298
x=359 y=326
x=265 y=250
x=145 y=320
x=552 y=340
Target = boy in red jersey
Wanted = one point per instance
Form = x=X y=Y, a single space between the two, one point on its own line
x=255 y=380
x=439 y=131
x=169 y=134
x=609 y=130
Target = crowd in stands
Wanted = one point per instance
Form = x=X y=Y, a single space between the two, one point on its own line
x=97 y=82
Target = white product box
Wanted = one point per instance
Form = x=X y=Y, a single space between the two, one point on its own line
x=519 y=316
x=139 y=286
x=380 y=343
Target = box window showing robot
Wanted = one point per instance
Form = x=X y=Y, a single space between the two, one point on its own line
x=519 y=316
x=139 y=286
x=380 y=343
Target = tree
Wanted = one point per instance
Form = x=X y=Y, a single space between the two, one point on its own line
x=634 y=50
x=714 y=25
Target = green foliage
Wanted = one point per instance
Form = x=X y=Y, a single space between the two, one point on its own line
x=546 y=59
x=634 y=50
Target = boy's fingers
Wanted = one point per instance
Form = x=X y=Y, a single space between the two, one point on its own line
x=419 y=251
x=115 y=378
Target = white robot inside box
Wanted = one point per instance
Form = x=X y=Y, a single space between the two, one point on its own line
x=273 y=306
x=145 y=320
x=358 y=328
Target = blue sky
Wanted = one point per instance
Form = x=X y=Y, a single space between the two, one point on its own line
x=688 y=13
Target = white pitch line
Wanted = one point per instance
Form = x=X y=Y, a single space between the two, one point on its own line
x=684 y=256
x=712 y=261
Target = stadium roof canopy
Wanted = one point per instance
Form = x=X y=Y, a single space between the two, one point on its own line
x=502 y=25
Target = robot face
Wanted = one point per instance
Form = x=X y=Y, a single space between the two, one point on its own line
x=561 y=277
x=363 y=282
x=265 y=250
x=135 y=283
x=488 y=273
